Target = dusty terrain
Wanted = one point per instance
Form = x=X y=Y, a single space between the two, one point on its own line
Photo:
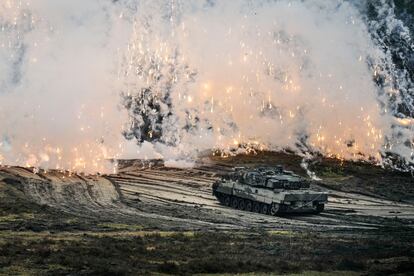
x=152 y=219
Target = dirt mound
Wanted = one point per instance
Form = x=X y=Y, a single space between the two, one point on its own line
x=154 y=196
x=150 y=219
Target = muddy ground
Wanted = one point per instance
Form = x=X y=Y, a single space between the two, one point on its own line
x=150 y=219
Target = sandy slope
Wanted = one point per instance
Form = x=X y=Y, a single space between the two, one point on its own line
x=156 y=197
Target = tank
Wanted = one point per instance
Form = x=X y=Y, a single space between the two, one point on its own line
x=268 y=190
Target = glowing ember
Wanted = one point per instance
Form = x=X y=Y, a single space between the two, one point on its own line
x=232 y=76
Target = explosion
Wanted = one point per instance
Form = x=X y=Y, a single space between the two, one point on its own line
x=190 y=76
x=277 y=76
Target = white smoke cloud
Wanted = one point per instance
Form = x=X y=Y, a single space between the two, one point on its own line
x=271 y=74
x=62 y=112
x=281 y=74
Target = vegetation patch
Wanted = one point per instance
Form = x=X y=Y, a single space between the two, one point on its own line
x=120 y=226
x=204 y=252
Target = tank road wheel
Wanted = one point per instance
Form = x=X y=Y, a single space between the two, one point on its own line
x=274 y=209
x=242 y=204
x=234 y=202
x=264 y=209
x=227 y=200
x=220 y=197
x=319 y=208
x=256 y=207
x=249 y=206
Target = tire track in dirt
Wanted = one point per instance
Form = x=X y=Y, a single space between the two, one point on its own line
x=170 y=198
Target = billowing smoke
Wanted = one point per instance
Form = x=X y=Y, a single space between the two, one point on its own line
x=86 y=81
x=58 y=90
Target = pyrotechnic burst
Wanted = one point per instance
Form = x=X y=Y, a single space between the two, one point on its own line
x=326 y=77
x=267 y=82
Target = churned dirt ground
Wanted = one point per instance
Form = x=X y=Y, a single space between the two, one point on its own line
x=151 y=219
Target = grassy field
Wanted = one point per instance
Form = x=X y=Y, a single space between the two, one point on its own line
x=36 y=239
x=127 y=252
x=39 y=240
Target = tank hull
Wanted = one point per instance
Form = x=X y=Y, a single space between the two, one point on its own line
x=276 y=201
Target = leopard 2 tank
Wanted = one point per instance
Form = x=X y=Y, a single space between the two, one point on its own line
x=268 y=190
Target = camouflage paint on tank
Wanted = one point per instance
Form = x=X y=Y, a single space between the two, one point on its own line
x=270 y=186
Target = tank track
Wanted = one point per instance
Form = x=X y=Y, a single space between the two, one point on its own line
x=254 y=206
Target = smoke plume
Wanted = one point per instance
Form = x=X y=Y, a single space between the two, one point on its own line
x=82 y=82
